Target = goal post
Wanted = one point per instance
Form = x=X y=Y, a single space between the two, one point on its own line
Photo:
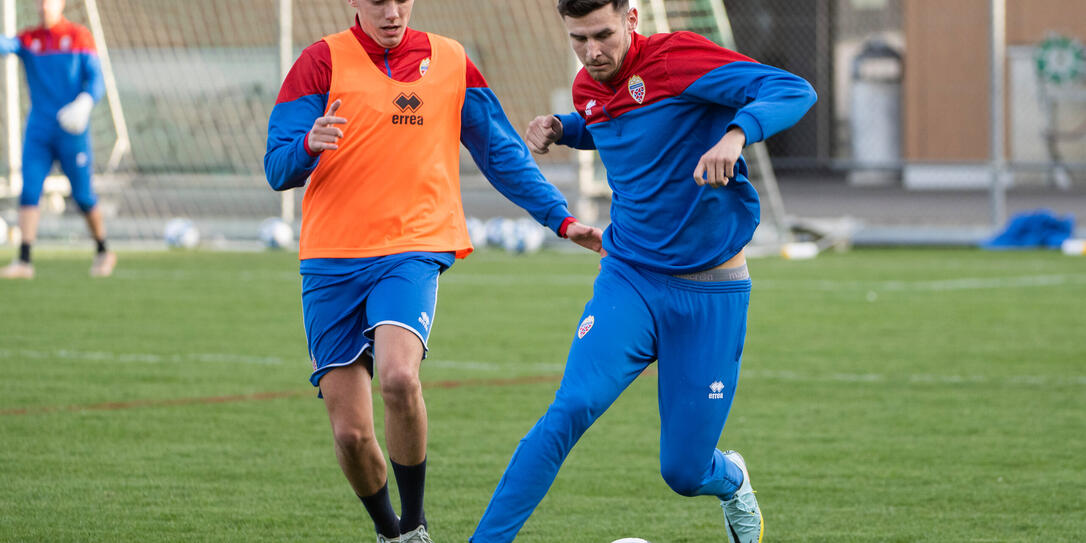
x=122 y=144
x=13 y=131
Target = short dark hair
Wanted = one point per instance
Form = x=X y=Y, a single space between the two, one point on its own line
x=580 y=8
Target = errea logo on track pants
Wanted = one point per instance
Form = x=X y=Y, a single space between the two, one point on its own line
x=716 y=391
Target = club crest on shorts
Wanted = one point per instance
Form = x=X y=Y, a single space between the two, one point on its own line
x=585 y=326
x=424 y=66
x=636 y=87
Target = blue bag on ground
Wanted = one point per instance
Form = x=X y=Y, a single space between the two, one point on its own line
x=1040 y=228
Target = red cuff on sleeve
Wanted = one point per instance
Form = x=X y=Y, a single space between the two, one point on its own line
x=565 y=225
x=305 y=145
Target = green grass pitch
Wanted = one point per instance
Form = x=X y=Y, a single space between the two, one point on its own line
x=886 y=395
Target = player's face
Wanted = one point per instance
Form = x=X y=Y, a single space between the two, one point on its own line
x=383 y=20
x=51 y=11
x=601 y=39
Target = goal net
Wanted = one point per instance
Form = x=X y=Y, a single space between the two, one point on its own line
x=193 y=83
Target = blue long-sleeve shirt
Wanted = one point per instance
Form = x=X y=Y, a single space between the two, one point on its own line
x=60 y=63
x=671 y=101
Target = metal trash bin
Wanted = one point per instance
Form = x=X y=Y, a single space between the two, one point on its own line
x=875 y=115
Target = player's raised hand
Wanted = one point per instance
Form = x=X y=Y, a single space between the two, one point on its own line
x=325 y=134
x=542 y=132
x=717 y=166
x=586 y=236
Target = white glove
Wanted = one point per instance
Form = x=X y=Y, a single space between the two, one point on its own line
x=73 y=118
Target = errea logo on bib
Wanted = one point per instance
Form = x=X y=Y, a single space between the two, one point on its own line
x=408 y=104
x=585 y=326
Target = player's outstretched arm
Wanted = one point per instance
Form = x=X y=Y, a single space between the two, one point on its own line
x=505 y=160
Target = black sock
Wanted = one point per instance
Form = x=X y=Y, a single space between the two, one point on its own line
x=380 y=509
x=101 y=245
x=411 y=480
x=24 y=253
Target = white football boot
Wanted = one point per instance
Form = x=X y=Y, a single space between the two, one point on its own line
x=418 y=535
x=742 y=517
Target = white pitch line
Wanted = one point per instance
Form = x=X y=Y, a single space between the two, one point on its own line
x=920 y=378
x=586 y=279
x=962 y=283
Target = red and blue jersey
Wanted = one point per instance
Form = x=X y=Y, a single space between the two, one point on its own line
x=60 y=62
x=485 y=130
x=671 y=101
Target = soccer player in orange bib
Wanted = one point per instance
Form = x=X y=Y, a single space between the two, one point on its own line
x=374 y=116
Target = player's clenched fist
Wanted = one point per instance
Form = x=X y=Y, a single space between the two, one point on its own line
x=717 y=166
x=542 y=132
x=324 y=134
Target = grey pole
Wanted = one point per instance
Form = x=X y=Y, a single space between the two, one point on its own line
x=286 y=59
x=997 y=92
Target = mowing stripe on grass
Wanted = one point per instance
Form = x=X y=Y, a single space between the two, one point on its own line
x=262 y=396
x=139 y=358
x=1020 y=380
x=227 y=358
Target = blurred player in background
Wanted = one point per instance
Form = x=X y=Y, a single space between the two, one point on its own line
x=65 y=82
x=670 y=115
x=375 y=115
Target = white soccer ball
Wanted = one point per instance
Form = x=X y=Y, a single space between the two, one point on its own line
x=477 y=232
x=526 y=236
x=3 y=231
x=275 y=233
x=630 y=540
x=497 y=230
x=181 y=234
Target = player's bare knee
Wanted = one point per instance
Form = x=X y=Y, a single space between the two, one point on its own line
x=400 y=388
x=353 y=438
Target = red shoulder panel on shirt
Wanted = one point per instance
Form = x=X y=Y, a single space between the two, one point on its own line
x=690 y=56
x=64 y=37
x=475 y=77
x=311 y=74
x=83 y=40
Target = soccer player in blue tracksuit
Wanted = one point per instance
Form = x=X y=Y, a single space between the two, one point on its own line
x=669 y=115
x=65 y=82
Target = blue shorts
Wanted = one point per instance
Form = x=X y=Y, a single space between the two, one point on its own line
x=48 y=143
x=344 y=300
